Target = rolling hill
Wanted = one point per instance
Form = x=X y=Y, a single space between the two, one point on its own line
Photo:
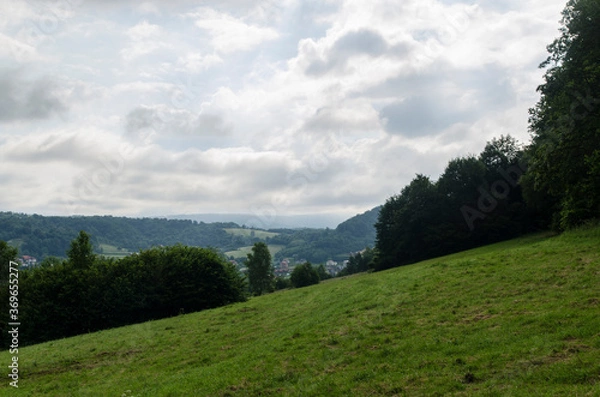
x=41 y=236
x=517 y=318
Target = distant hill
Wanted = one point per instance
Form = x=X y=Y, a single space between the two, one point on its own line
x=318 y=221
x=362 y=225
x=320 y=245
x=42 y=236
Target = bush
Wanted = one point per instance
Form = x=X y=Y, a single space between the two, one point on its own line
x=282 y=283
x=304 y=275
x=62 y=300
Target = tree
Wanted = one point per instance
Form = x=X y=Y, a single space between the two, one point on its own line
x=7 y=254
x=60 y=300
x=81 y=253
x=260 y=272
x=403 y=227
x=282 y=283
x=501 y=153
x=359 y=262
x=322 y=272
x=564 y=177
x=304 y=275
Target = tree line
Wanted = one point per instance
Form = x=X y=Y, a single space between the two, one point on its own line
x=87 y=293
x=319 y=245
x=509 y=189
x=43 y=236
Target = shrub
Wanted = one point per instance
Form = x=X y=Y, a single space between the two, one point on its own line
x=304 y=275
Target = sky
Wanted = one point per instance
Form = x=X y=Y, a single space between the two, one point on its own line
x=269 y=108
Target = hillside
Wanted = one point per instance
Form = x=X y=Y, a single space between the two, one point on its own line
x=42 y=236
x=313 y=221
x=517 y=318
x=318 y=245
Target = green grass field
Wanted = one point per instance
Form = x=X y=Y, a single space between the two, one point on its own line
x=519 y=318
x=110 y=251
x=242 y=252
x=261 y=234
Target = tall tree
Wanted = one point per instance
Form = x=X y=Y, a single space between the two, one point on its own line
x=565 y=123
x=260 y=272
x=404 y=224
x=81 y=253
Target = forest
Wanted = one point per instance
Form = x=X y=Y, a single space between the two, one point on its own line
x=49 y=236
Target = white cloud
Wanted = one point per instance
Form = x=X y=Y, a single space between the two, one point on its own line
x=196 y=62
x=290 y=107
x=144 y=39
x=230 y=34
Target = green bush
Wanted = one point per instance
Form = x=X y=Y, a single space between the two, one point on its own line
x=70 y=298
x=304 y=275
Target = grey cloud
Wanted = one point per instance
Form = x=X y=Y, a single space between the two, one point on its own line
x=360 y=42
x=6 y=178
x=420 y=115
x=139 y=119
x=430 y=109
x=438 y=74
x=22 y=99
x=175 y=122
x=194 y=176
x=363 y=41
x=329 y=119
x=55 y=147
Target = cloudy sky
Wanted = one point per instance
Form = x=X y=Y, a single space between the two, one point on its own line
x=262 y=107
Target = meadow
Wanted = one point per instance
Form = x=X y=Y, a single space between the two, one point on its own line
x=518 y=318
x=242 y=252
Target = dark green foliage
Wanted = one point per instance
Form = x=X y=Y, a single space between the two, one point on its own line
x=360 y=226
x=318 y=245
x=63 y=298
x=360 y=262
x=476 y=201
x=304 y=275
x=51 y=235
x=564 y=176
x=81 y=253
x=43 y=236
x=322 y=272
x=282 y=283
x=7 y=254
x=404 y=222
x=260 y=271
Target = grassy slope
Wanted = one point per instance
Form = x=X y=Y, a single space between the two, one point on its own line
x=519 y=318
x=110 y=251
x=242 y=252
x=262 y=234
